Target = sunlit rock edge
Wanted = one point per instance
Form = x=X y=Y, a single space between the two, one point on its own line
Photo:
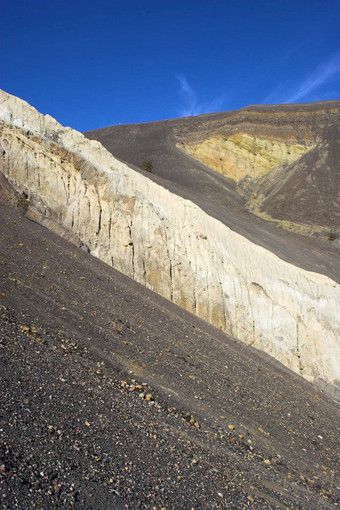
x=78 y=189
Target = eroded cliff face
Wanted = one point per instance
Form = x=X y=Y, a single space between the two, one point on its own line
x=170 y=245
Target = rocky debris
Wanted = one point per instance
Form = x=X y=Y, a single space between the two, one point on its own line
x=77 y=434
x=195 y=261
x=70 y=442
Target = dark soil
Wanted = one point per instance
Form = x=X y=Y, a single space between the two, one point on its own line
x=115 y=398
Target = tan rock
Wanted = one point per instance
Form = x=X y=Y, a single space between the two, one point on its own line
x=241 y=155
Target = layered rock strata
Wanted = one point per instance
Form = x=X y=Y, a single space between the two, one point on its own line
x=170 y=245
x=284 y=160
x=239 y=156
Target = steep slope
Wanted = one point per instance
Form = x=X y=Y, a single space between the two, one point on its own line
x=82 y=346
x=309 y=190
x=247 y=147
x=170 y=245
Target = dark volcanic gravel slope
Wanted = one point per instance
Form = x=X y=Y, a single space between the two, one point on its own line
x=115 y=398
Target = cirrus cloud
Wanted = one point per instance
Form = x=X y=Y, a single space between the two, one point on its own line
x=190 y=105
x=306 y=89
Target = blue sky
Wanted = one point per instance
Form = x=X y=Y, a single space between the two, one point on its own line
x=94 y=63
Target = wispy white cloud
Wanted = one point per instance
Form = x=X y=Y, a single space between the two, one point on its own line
x=189 y=102
x=324 y=74
x=189 y=99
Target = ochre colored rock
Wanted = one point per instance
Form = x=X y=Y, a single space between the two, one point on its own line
x=241 y=155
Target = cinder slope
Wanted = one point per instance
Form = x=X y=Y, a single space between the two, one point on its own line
x=308 y=191
x=78 y=337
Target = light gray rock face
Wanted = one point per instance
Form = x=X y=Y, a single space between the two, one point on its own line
x=170 y=245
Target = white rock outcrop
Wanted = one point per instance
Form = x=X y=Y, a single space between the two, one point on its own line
x=170 y=245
